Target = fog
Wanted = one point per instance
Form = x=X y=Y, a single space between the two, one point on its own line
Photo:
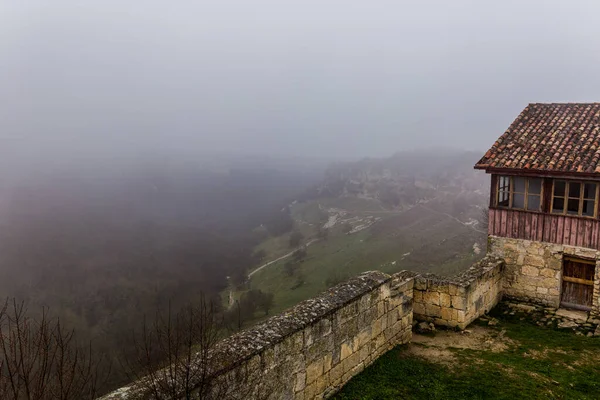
x=153 y=153
x=307 y=78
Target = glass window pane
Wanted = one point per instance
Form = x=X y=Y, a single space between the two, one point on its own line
x=589 y=191
x=504 y=183
x=573 y=206
x=518 y=200
x=558 y=205
x=559 y=188
x=588 y=208
x=533 y=202
x=574 y=189
x=503 y=198
x=535 y=186
x=519 y=184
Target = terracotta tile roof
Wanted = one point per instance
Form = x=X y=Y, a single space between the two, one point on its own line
x=551 y=138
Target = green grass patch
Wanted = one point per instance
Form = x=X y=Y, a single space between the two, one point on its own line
x=540 y=363
x=416 y=239
x=391 y=248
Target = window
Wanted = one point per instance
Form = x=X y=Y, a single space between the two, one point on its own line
x=520 y=192
x=574 y=198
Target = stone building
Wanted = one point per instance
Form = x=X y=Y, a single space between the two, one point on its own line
x=543 y=211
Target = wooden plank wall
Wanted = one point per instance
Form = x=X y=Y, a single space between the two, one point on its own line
x=560 y=229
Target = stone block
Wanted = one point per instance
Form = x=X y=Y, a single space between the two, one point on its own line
x=452 y=323
x=419 y=308
x=529 y=270
x=405 y=321
x=352 y=361
x=392 y=317
x=380 y=341
x=310 y=392
x=447 y=313
x=327 y=362
x=547 y=272
x=335 y=375
x=542 y=290
x=550 y=283
x=325 y=327
x=431 y=298
x=445 y=300
x=433 y=311
x=296 y=341
x=534 y=260
x=418 y=296
x=363 y=353
x=420 y=284
x=380 y=309
x=346 y=351
x=300 y=381
x=452 y=290
x=321 y=385
x=313 y=371
x=362 y=339
x=384 y=291
x=507 y=246
x=527 y=288
x=376 y=328
x=459 y=302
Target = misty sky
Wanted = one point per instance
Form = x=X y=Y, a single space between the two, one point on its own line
x=310 y=78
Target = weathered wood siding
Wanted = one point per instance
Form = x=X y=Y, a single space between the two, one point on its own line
x=560 y=229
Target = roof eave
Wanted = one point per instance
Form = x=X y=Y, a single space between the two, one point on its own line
x=537 y=172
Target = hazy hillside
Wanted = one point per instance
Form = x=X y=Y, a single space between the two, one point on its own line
x=104 y=246
x=417 y=210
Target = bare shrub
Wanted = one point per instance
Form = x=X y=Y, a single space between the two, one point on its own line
x=178 y=356
x=40 y=359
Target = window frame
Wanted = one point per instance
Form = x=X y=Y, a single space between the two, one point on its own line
x=511 y=192
x=566 y=197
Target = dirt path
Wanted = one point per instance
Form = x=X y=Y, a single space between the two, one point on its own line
x=437 y=348
x=280 y=258
x=231 y=299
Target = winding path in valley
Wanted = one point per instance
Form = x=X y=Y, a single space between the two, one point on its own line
x=281 y=258
x=231 y=299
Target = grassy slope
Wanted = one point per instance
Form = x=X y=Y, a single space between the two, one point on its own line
x=433 y=241
x=543 y=363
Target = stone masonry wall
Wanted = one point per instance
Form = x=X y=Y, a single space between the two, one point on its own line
x=534 y=269
x=459 y=300
x=313 y=349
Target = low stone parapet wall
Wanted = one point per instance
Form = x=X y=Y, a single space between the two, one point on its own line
x=459 y=300
x=311 y=350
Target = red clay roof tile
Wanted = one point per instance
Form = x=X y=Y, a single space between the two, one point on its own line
x=549 y=137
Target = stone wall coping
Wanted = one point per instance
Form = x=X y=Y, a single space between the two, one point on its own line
x=466 y=278
x=243 y=346
x=256 y=339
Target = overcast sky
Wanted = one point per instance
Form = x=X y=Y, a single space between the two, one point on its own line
x=309 y=78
